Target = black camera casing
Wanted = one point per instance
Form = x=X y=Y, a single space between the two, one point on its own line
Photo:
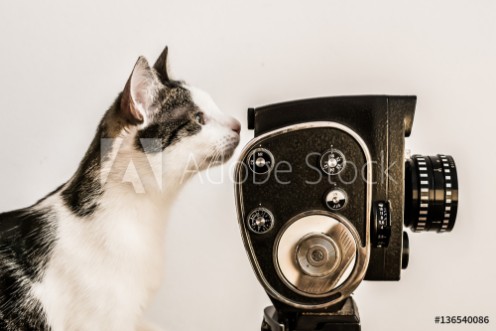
x=382 y=123
x=324 y=192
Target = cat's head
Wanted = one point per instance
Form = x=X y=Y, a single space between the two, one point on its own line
x=173 y=126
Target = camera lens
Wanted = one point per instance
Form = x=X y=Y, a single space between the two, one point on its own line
x=431 y=193
x=317 y=255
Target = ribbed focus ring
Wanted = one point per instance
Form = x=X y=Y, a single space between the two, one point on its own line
x=431 y=193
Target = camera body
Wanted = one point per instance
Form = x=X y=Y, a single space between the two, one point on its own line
x=324 y=192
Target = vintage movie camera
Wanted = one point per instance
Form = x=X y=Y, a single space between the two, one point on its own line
x=324 y=192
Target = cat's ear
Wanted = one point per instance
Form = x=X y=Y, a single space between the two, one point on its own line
x=139 y=93
x=161 y=66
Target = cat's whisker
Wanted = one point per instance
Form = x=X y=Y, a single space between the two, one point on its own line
x=97 y=241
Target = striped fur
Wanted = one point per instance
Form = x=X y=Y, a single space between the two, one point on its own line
x=88 y=256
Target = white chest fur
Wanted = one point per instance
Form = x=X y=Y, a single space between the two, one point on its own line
x=103 y=269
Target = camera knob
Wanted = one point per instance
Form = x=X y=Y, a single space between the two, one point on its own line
x=336 y=199
x=405 y=255
x=260 y=161
x=332 y=162
x=381 y=224
x=260 y=220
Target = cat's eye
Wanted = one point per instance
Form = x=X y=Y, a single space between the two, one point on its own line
x=200 y=118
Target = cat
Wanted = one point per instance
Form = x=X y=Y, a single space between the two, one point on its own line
x=88 y=256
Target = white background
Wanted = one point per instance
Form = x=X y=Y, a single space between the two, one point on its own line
x=63 y=63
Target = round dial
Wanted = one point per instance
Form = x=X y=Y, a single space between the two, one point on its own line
x=336 y=199
x=317 y=255
x=332 y=162
x=260 y=221
x=260 y=161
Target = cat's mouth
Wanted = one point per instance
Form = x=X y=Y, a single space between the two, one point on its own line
x=223 y=151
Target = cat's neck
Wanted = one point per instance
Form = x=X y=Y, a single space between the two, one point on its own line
x=113 y=176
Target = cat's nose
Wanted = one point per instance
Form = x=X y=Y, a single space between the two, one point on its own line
x=235 y=125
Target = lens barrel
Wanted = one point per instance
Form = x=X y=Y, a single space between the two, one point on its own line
x=431 y=193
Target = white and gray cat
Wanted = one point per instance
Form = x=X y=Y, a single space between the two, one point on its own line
x=88 y=256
